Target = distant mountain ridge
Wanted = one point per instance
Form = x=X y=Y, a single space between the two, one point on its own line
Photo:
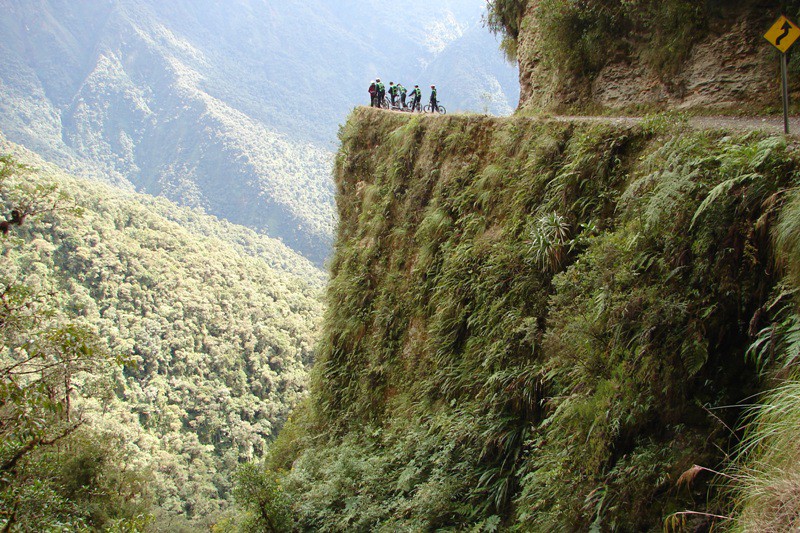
x=231 y=107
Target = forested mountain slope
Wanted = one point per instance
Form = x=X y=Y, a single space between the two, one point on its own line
x=537 y=325
x=232 y=107
x=216 y=325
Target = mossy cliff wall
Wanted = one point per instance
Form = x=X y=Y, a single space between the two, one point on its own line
x=533 y=324
x=649 y=54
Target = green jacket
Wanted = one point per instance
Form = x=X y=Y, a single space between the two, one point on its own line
x=381 y=87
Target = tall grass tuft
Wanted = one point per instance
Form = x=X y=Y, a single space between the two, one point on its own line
x=767 y=477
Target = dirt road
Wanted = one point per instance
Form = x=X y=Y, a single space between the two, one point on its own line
x=771 y=124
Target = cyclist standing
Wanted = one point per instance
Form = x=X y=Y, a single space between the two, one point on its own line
x=403 y=92
x=416 y=97
x=381 y=91
x=373 y=94
x=434 y=105
x=392 y=92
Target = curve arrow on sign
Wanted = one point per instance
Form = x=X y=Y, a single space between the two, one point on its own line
x=783 y=34
x=787 y=27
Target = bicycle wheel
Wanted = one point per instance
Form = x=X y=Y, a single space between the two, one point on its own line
x=427 y=108
x=442 y=110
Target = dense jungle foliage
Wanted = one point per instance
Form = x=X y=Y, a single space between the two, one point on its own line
x=146 y=350
x=536 y=326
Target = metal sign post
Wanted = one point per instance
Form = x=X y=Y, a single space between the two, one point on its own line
x=782 y=35
x=785 y=84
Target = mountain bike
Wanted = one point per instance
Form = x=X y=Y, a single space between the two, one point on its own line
x=429 y=109
x=408 y=107
x=397 y=106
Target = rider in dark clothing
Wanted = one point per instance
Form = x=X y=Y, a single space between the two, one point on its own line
x=403 y=92
x=381 y=91
x=393 y=92
x=416 y=97
x=434 y=105
x=373 y=94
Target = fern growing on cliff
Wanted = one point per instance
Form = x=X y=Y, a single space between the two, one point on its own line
x=550 y=242
x=577 y=39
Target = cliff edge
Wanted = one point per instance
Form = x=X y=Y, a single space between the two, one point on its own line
x=534 y=324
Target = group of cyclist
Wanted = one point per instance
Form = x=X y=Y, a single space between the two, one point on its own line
x=397 y=96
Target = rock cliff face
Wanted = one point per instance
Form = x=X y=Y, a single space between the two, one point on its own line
x=729 y=67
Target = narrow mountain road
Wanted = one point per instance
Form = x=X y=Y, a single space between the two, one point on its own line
x=769 y=124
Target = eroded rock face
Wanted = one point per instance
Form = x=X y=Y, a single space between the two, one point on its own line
x=732 y=68
x=536 y=82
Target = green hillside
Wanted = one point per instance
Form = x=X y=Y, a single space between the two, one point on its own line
x=537 y=325
x=215 y=326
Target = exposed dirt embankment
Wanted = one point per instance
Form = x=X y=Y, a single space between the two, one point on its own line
x=722 y=63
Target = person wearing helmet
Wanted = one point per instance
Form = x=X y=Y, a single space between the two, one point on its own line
x=402 y=90
x=416 y=98
x=373 y=94
x=434 y=105
x=381 y=91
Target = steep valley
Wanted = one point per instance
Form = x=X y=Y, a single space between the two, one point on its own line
x=181 y=309
x=231 y=108
x=530 y=323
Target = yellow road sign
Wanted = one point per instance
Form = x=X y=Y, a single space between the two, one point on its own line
x=783 y=34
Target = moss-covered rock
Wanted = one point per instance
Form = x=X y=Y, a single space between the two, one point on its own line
x=599 y=56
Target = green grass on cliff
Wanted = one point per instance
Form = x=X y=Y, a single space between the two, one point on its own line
x=578 y=38
x=766 y=483
x=533 y=325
